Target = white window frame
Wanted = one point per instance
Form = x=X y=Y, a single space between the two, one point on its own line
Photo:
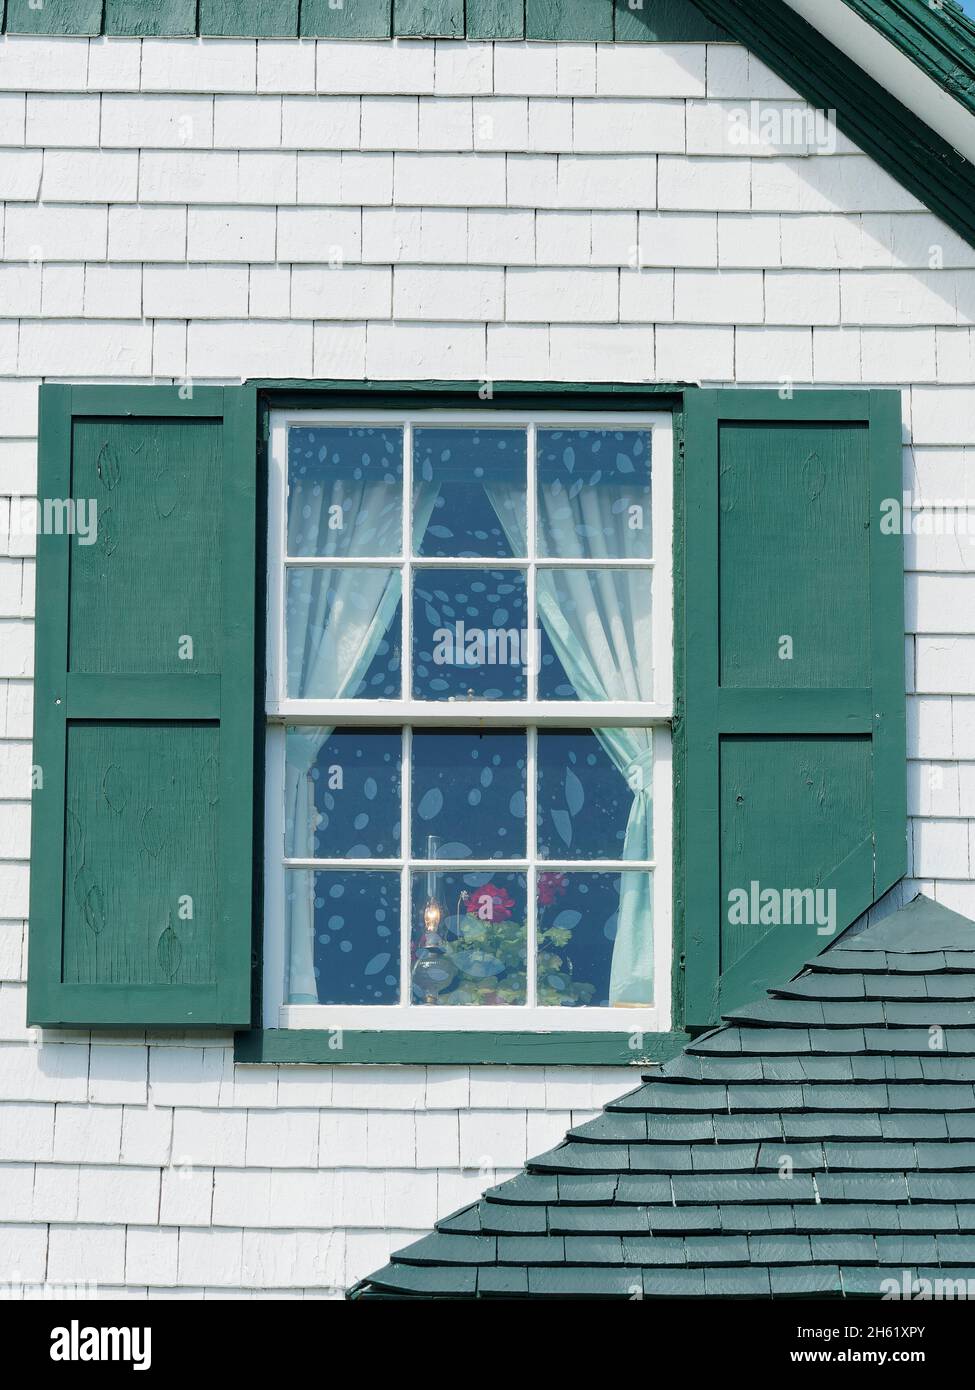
x=409 y=713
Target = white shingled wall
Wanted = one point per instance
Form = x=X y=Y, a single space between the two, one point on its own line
x=170 y=209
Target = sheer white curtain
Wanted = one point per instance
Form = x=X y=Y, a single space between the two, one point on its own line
x=302 y=749
x=599 y=623
x=331 y=645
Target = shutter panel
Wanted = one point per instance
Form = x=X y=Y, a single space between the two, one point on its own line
x=795 y=756
x=144 y=822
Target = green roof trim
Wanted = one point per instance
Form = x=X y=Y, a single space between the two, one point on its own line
x=821 y=1141
x=261 y=18
x=79 y=17
x=939 y=38
x=150 y=18
x=667 y=21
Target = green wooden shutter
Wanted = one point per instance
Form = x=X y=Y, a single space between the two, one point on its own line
x=795 y=762
x=144 y=816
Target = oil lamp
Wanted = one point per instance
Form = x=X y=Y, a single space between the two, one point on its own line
x=433 y=971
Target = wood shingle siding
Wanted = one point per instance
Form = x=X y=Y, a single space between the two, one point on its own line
x=303 y=1177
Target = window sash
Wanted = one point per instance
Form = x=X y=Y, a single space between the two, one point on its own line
x=504 y=1018
x=407 y=709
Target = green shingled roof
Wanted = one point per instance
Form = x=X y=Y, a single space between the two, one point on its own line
x=819 y=1142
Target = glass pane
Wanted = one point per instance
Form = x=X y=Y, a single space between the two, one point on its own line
x=469 y=938
x=469 y=493
x=594 y=494
x=468 y=794
x=595 y=794
x=343 y=936
x=342 y=793
x=344 y=633
x=595 y=939
x=596 y=635
x=345 y=491
x=470 y=638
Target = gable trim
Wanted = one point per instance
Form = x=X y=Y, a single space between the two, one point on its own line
x=940 y=39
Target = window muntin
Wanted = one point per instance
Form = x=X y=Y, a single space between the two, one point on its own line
x=508 y=516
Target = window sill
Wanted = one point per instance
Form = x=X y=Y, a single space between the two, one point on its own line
x=426 y=1048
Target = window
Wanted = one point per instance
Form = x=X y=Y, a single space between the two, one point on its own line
x=460 y=753
x=469 y=695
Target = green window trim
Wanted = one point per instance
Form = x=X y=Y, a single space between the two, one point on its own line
x=616 y=1047
x=283 y=1046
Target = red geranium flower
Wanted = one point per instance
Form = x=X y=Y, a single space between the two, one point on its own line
x=490 y=903
x=550 y=887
